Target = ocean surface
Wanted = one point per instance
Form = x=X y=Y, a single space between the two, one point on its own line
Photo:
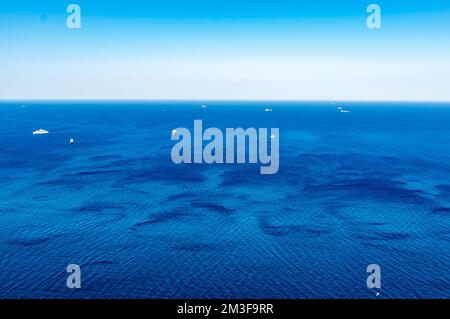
x=367 y=187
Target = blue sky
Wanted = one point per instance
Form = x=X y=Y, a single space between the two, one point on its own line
x=225 y=49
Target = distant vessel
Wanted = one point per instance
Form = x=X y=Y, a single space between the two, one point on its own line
x=204 y=106
x=40 y=132
x=342 y=109
x=174 y=132
x=71 y=141
x=267 y=110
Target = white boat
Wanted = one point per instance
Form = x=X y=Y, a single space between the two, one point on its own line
x=174 y=132
x=268 y=110
x=345 y=111
x=40 y=132
x=204 y=106
x=71 y=141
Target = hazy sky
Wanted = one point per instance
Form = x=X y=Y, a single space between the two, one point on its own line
x=225 y=49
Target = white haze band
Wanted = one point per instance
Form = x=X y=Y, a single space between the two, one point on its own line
x=213 y=151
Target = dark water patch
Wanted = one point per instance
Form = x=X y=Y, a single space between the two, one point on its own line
x=393 y=235
x=129 y=164
x=64 y=183
x=313 y=232
x=248 y=175
x=440 y=283
x=124 y=188
x=375 y=223
x=327 y=165
x=444 y=189
x=418 y=165
x=442 y=210
x=180 y=196
x=9 y=210
x=62 y=129
x=15 y=162
x=443 y=234
x=375 y=189
x=98 y=172
x=285 y=230
x=374 y=245
x=145 y=223
x=144 y=161
x=175 y=173
x=334 y=208
x=212 y=207
x=109 y=157
x=164 y=217
x=40 y=197
x=100 y=263
x=382 y=236
x=7 y=179
x=197 y=247
x=26 y=242
x=389 y=248
x=243 y=197
x=101 y=208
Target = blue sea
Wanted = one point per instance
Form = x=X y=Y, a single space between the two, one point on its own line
x=367 y=187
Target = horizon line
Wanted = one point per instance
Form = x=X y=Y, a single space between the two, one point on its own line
x=225 y=100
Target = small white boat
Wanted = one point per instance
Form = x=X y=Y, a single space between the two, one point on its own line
x=40 y=132
x=71 y=141
x=268 y=110
x=174 y=132
x=204 y=106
